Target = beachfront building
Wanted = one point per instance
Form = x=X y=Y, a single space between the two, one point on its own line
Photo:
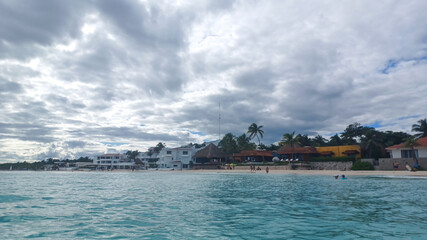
x=177 y=158
x=112 y=159
x=253 y=156
x=401 y=156
x=297 y=153
x=147 y=159
x=210 y=157
x=400 y=151
x=340 y=151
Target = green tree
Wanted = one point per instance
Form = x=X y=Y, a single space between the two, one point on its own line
x=244 y=143
x=372 y=144
x=272 y=147
x=305 y=140
x=421 y=128
x=255 y=130
x=289 y=139
x=159 y=147
x=319 y=141
x=229 y=144
x=392 y=138
x=132 y=154
x=335 y=141
x=411 y=143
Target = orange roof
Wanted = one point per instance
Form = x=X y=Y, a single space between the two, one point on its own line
x=252 y=153
x=421 y=141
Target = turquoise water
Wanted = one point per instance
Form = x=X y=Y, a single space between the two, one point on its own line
x=179 y=205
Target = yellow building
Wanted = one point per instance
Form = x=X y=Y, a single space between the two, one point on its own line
x=340 y=151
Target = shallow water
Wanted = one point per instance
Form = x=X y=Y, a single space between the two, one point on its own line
x=180 y=205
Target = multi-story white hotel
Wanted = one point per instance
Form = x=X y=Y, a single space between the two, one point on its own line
x=111 y=159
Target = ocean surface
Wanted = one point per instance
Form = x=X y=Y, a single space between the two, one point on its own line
x=188 y=205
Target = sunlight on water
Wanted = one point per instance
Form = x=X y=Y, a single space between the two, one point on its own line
x=145 y=205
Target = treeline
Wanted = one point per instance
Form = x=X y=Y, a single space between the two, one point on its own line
x=39 y=165
x=372 y=142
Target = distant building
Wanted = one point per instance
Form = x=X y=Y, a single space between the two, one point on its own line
x=297 y=153
x=111 y=159
x=210 y=157
x=177 y=158
x=400 y=151
x=253 y=156
x=340 y=151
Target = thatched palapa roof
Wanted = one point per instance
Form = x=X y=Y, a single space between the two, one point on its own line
x=211 y=151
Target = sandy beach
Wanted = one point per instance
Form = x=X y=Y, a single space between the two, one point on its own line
x=320 y=172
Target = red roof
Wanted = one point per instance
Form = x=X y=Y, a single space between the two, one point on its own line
x=296 y=150
x=252 y=153
x=422 y=142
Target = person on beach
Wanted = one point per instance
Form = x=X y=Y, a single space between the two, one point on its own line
x=395 y=166
x=415 y=168
x=266 y=169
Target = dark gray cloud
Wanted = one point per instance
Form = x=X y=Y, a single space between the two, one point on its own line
x=26 y=25
x=77 y=74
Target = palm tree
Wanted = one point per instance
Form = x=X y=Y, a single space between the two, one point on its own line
x=372 y=143
x=411 y=143
x=255 y=130
x=291 y=140
x=319 y=141
x=421 y=128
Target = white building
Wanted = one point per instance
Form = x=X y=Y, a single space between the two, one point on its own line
x=111 y=159
x=148 y=158
x=400 y=151
x=176 y=158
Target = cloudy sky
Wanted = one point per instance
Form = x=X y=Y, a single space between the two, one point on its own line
x=77 y=77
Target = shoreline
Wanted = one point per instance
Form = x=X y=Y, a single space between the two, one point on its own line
x=319 y=172
x=272 y=171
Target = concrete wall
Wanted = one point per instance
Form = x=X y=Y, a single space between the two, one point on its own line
x=314 y=166
x=331 y=165
x=387 y=163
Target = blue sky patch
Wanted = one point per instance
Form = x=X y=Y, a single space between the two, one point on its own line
x=409 y=117
x=197 y=133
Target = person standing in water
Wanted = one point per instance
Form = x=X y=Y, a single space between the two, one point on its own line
x=266 y=169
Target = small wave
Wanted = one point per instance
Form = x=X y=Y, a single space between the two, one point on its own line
x=402 y=177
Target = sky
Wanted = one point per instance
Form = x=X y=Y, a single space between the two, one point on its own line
x=78 y=77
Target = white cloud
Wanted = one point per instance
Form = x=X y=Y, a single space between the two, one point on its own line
x=139 y=73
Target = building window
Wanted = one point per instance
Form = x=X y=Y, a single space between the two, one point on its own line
x=99 y=162
x=184 y=152
x=117 y=157
x=409 y=153
x=102 y=157
x=99 y=158
x=168 y=152
x=107 y=157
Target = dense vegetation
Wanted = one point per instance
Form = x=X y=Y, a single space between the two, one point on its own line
x=360 y=166
x=40 y=164
x=372 y=142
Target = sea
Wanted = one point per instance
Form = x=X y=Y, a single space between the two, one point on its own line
x=192 y=205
